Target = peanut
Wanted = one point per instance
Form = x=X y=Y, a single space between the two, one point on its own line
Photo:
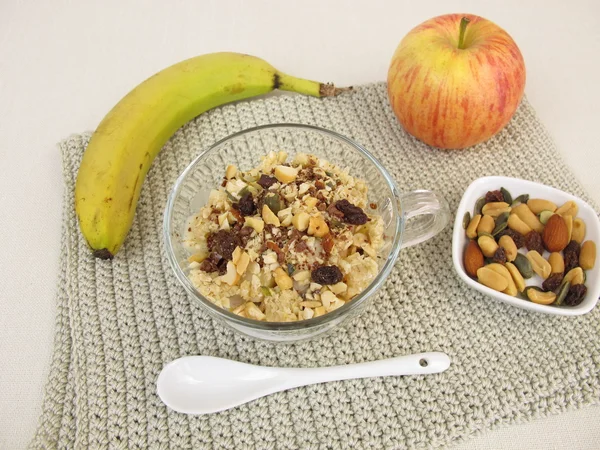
x=472 y=227
x=528 y=217
x=541 y=298
x=539 y=264
x=587 y=256
x=507 y=243
x=570 y=208
x=486 y=224
x=569 y=222
x=494 y=209
x=537 y=205
x=511 y=288
x=516 y=276
x=556 y=262
x=516 y=224
x=574 y=276
x=491 y=279
x=487 y=245
x=578 y=233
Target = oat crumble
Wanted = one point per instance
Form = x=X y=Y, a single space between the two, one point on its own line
x=284 y=241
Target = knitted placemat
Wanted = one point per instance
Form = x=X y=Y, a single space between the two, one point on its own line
x=120 y=321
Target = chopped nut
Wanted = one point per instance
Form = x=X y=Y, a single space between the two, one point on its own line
x=230 y=172
x=235 y=256
x=317 y=226
x=311 y=202
x=301 y=275
x=269 y=217
x=199 y=257
x=242 y=263
x=231 y=277
x=338 y=288
x=255 y=222
x=319 y=311
x=301 y=221
x=281 y=157
x=307 y=313
x=253 y=312
x=327 y=298
x=282 y=279
x=310 y=304
x=285 y=174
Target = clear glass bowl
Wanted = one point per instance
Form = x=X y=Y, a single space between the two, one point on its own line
x=245 y=149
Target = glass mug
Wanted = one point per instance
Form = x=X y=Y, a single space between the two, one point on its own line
x=428 y=213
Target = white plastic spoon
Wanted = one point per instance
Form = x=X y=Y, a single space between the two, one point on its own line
x=205 y=384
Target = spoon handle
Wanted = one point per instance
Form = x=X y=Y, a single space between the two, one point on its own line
x=417 y=364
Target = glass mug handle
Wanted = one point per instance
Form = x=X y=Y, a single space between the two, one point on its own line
x=426 y=213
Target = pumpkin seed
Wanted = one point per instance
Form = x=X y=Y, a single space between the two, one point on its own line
x=273 y=201
x=479 y=205
x=466 y=220
x=484 y=233
x=523 y=265
x=506 y=195
x=562 y=293
x=523 y=198
x=501 y=223
x=545 y=215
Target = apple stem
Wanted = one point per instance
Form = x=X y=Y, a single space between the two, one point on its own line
x=461 y=37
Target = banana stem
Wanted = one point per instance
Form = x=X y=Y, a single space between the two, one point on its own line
x=308 y=87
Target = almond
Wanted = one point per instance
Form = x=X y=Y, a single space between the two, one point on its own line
x=473 y=259
x=556 y=234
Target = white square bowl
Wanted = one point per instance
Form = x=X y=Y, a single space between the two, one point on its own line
x=517 y=187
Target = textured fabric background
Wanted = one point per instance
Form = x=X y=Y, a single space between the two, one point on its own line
x=120 y=321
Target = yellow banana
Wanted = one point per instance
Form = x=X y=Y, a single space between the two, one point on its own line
x=128 y=139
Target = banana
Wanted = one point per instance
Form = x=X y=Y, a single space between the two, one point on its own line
x=128 y=139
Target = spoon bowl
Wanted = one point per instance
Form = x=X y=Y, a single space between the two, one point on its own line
x=206 y=384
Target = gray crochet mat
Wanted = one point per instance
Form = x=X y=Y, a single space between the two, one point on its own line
x=120 y=321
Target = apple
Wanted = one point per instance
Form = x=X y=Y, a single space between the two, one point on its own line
x=456 y=80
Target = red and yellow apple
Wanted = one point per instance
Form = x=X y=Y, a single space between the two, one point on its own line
x=456 y=80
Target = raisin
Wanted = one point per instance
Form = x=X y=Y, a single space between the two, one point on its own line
x=223 y=243
x=246 y=205
x=575 y=295
x=517 y=238
x=494 y=196
x=214 y=263
x=265 y=181
x=571 y=255
x=533 y=241
x=352 y=214
x=552 y=283
x=334 y=212
x=327 y=275
x=500 y=256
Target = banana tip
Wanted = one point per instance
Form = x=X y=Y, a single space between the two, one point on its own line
x=103 y=253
